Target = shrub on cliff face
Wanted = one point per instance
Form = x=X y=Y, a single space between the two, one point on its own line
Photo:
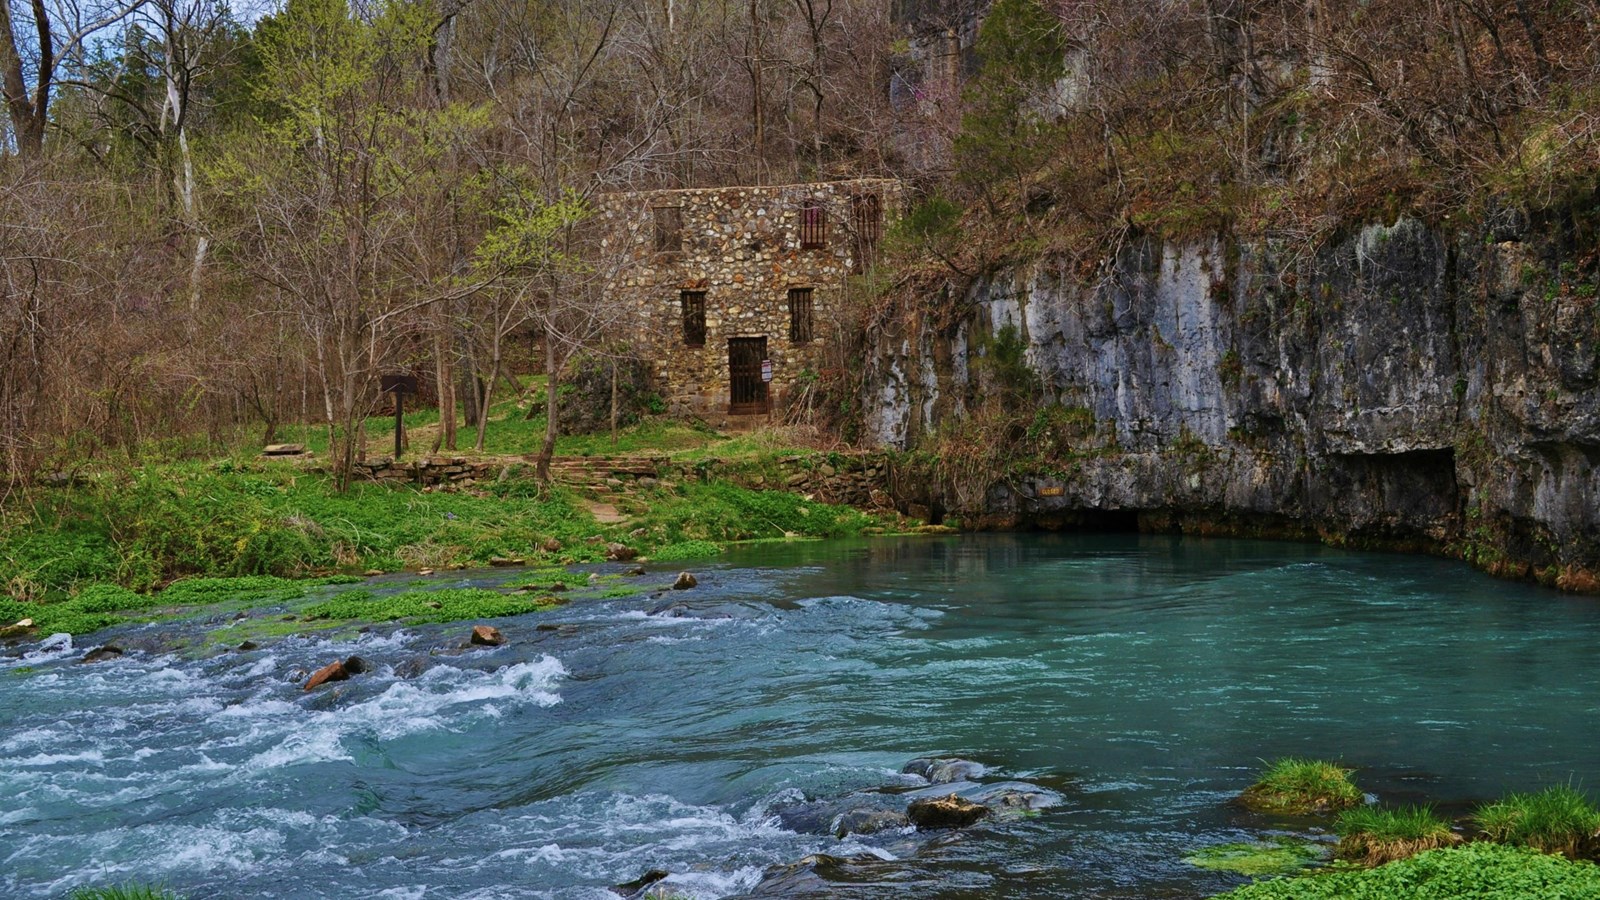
x=1008 y=134
x=585 y=398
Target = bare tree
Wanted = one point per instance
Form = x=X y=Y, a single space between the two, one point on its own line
x=326 y=208
x=29 y=65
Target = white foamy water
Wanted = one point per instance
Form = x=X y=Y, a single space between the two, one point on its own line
x=146 y=738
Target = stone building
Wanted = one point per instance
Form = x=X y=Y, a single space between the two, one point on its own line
x=735 y=290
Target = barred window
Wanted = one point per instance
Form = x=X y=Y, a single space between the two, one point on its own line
x=800 y=331
x=669 y=228
x=694 y=318
x=813 y=226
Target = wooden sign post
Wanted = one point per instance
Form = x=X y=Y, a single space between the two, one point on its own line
x=399 y=386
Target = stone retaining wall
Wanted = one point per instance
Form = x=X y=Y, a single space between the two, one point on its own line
x=861 y=479
x=435 y=470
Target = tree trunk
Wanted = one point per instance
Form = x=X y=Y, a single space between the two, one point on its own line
x=176 y=112
x=758 y=110
x=547 y=450
x=28 y=114
x=466 y=384
x=442 y=375
x=488 y=393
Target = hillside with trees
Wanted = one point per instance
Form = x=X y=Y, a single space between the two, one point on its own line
x=213 y=226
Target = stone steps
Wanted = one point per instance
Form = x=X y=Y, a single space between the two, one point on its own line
x=596 y=469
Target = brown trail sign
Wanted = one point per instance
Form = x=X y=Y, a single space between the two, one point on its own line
x=400 y=386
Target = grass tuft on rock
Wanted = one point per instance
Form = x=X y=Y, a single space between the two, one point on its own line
x=1296 y=786
x=1373 y=836
x=1557 y=819
x=1277 y=856
x=1470 y=870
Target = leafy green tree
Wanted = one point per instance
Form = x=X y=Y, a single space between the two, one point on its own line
x=553 y=273
x=329 y=198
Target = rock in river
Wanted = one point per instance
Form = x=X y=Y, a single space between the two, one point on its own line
x=685 y=581
x=943 y=771
x=487 y=636
x=815 y=875
x=868 y=821
x=101 y=654
x=949 y=811
x=337 y=671
x=620 y=552
x=636 y=888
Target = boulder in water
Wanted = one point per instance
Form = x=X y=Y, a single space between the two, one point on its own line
x=815 y=875
x=685 y=581
x=939 y=770
x=636 y=887
x=620 y=552
x=486 y=636
x=337 y=671
x=868 y=821
x=411 y=668
x=949 y=811
x=999 y=797
x=101 y=654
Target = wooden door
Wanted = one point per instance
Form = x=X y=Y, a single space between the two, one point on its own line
x=747 y=393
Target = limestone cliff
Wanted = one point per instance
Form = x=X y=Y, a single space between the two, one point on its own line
x=1403 y=386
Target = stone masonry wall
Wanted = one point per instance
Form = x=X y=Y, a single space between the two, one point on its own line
x=742 y=246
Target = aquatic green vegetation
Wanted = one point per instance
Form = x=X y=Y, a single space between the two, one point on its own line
x=124 y=892
x=1302 y=786
x=1276 y=856
x=1471 y=870
x=686 y=550
x=101 y=605
x=1376 y=836
x=448 y=605
x=1557 y=819
x=543 y=576
x=252 y=589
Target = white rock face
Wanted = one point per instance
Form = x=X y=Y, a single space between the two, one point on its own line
x=1402 y=384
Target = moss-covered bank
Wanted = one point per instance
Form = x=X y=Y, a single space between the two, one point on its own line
x=158 y=541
